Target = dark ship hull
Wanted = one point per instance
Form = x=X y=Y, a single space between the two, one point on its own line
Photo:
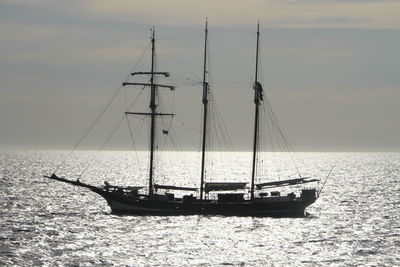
x=121 y=202
x=259 y=207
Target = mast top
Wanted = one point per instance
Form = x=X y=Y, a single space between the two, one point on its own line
x=257 y=52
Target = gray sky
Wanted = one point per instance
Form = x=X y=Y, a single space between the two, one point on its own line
x=330 y=68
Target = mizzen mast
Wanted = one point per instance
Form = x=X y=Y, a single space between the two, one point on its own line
x=205 y=111
x=258 y=97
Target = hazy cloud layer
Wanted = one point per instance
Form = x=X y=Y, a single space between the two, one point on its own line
x=272 y=13
x=330 y=67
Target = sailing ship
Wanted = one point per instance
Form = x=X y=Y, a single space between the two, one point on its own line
x=255 y=202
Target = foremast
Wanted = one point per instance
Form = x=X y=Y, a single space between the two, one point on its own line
x=257 y=101
x=205 y=114
x=153 y=107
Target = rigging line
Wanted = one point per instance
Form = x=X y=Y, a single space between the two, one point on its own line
x=220 y=30
x=326 y=179
x=139 y=128
x=258 y=148
x=176 y=58
x=269 y=131
x=189 y=44
x=183 y=78
x=200 y=131
x=277 y=124
x=245 y=71
x=184 y=126
x=129 y=146
x=173 y=101
x=220 y=125
x=176 y=144
x=136 y=98
x=106 y=106
x=183 y=81
x=125 y=99
x=220 y=133
x=180 y=35
x=224 y=128
x=112 y=133
x=209 y=137
x=176 y=137
x=102 y=147
x=261 y=158
x=168 y=130
x=141 y=57
x=91 y=126
x=172 y=119
x=279 y=139
x=233 y=82
x=161 y=105
x=286 y=143
x=187 y=129
x=213 y=127
x=166 y=135
x=132 y=139
x=173 y=143
x=188 y=84
x=189 y=70
x=183 y=85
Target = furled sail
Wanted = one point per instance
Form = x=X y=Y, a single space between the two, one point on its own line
x=223 y=186
x=287 y=182
x=172 y=187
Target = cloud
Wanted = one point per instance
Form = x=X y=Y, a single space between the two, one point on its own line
x=332 y=1
x=63 y=57
x=272 y=13
x=358 y=14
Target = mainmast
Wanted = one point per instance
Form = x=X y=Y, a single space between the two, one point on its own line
x=205 y=110
x=257 y=99
x=153 y=107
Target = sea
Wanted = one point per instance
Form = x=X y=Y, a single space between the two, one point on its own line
x=354 y=222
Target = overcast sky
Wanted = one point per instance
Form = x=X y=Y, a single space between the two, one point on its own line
x=331 y=68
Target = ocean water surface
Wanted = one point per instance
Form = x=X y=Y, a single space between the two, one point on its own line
x=355 y=222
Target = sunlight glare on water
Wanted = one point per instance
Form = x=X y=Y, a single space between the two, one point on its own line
x=355 y=222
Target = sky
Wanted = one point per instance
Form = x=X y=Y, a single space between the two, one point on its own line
x=330 y=68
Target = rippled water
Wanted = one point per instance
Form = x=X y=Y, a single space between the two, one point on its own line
x=355 y=222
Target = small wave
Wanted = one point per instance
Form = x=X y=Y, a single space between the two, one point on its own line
x=365 y=252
